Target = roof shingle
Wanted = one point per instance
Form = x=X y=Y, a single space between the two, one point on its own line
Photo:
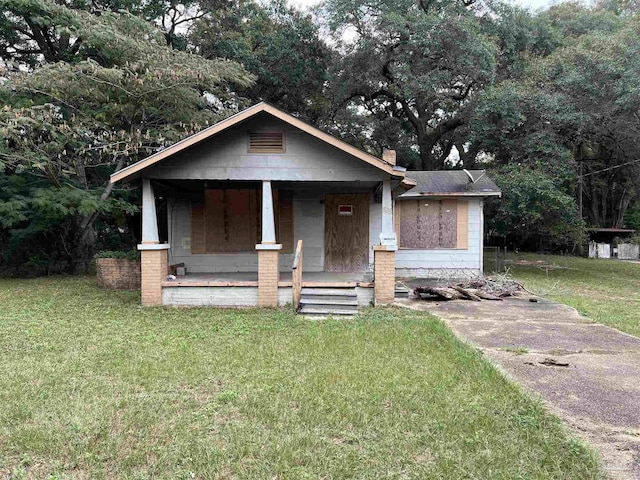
x=453 y=183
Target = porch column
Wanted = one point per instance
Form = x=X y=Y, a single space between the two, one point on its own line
x=153 y=255
x=149 y=218
x=268 y=252
x=384 y=255
x=387 y=234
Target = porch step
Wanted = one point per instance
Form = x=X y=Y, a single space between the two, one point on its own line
x=319 y=301
x=329 y=292
x=307 y=310
x=401 y=291
x=326 y=301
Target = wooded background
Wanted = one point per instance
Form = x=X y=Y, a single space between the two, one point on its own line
x=547 y=101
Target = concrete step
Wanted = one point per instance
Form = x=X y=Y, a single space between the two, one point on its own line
x=323 y=301
x=329 y=292
x=317 y=310
x=401 y=292
x=314 y=300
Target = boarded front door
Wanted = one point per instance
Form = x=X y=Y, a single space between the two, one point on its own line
x=346 y=232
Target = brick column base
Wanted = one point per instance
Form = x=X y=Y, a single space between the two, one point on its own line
x=268 y=276
x=153 y=273
x=384 y=271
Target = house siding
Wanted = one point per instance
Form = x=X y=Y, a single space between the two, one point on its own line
x=226 y=157
x=375 y=227
x=308 y=221
x=447 y=262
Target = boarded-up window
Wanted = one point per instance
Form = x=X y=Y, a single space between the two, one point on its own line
x=230 y=220
x=428 y=223
x=266 y=142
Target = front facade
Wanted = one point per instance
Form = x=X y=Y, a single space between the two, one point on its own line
x=262 y=205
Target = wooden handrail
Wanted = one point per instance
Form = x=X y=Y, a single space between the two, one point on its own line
x=296 y=275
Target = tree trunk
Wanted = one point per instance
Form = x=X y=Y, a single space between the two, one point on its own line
x=86 y=233
x=427 y=158
x=468 y=158
x=625 y=200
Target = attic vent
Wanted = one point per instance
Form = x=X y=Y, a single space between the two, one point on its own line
x=266 y=142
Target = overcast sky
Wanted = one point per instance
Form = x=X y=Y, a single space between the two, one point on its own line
x=532 y=4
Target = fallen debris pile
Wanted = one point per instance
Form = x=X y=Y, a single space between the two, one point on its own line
x=488 y=288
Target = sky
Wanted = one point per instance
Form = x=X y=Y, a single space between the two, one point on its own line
x=531 y=4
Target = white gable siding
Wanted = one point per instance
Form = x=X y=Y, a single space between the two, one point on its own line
x=435 y=263
x=225 y=157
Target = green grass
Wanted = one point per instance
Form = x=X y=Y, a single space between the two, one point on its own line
x=93 y=385
x=607 y=291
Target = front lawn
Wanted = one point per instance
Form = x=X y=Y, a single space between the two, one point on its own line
x=94 y=386
x=607 y=291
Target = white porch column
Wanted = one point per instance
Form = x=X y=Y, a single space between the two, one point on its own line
x=268 y=220
x=384 y=255
x=153 y=256
x=387 y=234
x=149 y=219
x=268 y=252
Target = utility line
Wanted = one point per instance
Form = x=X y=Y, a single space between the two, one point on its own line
x=581 y=176
x=610 y=168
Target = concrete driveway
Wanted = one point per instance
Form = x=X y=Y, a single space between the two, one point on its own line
x=597 y=394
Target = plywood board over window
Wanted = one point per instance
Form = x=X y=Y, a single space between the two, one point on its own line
x=229 y=221
x=431 y=224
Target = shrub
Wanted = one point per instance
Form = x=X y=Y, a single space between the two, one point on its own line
x=126 y=255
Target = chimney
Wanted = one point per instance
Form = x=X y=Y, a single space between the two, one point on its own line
x=389 y=156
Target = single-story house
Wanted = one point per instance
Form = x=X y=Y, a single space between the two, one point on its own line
x=265 y=209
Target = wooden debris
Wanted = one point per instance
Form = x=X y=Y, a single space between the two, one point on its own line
x=466 y=293
x=443 y=293
x=494 y=288
x=487 y=296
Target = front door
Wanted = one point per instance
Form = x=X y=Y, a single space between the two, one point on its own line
x=346 y=232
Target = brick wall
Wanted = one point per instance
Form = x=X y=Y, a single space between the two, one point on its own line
x=384 y=276
x=154 y=272
x=118 y=273
x=268 y=278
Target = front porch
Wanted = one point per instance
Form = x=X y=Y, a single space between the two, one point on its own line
x=241 y=289
x=250 y=279
x=342 y=252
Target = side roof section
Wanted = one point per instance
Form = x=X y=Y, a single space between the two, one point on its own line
x=454 y=183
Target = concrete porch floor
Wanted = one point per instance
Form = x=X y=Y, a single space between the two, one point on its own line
x=250 y=279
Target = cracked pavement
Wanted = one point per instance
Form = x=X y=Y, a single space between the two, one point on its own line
x=597 y=394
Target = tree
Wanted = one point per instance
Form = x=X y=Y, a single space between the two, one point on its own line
x=123 y=97
x=419 y=62
x=33 y=32
x=279 y=45
x=534 y=212
x=574 y=115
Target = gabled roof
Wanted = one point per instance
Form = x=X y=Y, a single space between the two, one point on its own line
x=453 y=183
x=242 y=116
